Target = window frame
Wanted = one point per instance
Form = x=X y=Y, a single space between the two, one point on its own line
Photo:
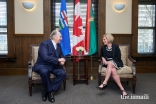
x=148 y=2
x=4 y=33
x=10 y=57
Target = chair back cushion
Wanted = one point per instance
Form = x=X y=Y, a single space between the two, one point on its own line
x=124 y=53
x=35 y=53
x=36 y=76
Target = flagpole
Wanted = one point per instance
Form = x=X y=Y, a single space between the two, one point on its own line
x=91 y=76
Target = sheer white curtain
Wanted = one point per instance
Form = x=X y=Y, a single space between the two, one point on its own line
x=3 y=28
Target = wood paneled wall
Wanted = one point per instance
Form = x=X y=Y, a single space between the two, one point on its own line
x=19 y=44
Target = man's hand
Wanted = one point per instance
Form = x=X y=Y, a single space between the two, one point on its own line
x=61 y=61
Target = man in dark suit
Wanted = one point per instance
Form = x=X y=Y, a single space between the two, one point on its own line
x=50 y=60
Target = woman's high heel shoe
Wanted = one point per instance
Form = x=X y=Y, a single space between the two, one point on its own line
x=123 y=94
x=102 y=88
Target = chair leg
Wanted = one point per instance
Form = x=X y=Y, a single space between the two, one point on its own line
x=64 y=84
x=30 y=89
x=134 y=85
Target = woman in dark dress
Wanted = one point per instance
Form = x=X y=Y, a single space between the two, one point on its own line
x=111 y=58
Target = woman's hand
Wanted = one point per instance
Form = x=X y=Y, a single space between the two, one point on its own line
x=104 y=61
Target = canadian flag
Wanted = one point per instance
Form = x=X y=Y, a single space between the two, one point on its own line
x=78 y=35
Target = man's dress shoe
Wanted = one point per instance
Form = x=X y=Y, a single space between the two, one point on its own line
x=51 y=97
x=44 y=95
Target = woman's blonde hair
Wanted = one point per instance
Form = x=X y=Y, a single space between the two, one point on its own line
x=109 y=37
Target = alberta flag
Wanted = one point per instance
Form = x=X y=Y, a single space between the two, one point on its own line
x=90 y=33
x=64 y=30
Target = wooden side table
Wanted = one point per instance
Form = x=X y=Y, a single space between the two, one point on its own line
x=78 y=77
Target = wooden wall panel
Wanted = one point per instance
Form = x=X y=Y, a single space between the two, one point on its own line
x=47 y=18
x=10 y=29
x=23 y=49
x=19 y=44
x=146 y=64
x=134 y=26
x=101 y=22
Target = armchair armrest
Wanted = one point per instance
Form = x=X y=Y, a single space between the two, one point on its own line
x=131 y=59
x=131 y=62
x=30 y=69
x=29 y=62
x=100 y=66
x=29 y=72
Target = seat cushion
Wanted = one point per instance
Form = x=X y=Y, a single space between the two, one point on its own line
x=121 y=75
x=123 y=70
x=36 y=76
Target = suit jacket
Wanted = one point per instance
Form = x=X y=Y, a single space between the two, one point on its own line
x=116 y=54
x=48 y=56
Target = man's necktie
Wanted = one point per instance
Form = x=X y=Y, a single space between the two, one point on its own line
x=55 y=46
x=56 y=50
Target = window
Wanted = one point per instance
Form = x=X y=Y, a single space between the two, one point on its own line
x=146 y=27
x=70 y=13
x=3 y=28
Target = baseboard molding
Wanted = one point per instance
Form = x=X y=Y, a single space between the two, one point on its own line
x=24 y=71
x=13 y=71
x=145 y=69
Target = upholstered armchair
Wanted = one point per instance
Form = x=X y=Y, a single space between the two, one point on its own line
x=32 y=76
x=126 y=73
